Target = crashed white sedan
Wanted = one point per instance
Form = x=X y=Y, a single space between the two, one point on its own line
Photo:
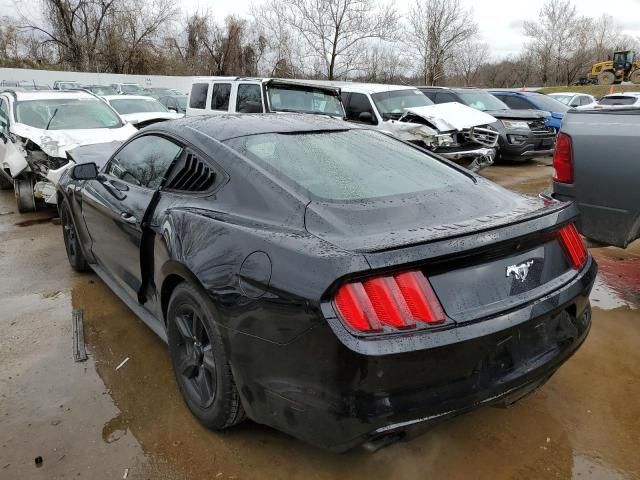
x=139 y=110
x=38 y=128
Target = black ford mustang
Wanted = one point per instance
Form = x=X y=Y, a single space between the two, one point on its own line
x=333 y=282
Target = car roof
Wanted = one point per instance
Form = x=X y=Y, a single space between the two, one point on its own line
x=51 y=94
x=227 y=126
x=623 y=94
x=130 y=97
x=372 y=87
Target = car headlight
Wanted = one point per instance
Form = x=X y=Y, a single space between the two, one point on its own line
x=511 y=124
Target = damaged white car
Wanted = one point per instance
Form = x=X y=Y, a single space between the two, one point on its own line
x=140 y=111
x=38 y=128
x=452 y=130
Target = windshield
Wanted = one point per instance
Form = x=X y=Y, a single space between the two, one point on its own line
x=566 y=99
x=391 y=104
x=125 y=106
x=102 y=91
x=548 y=104
x=619 y=100
x=304 y=100
x=130 y=88
x=348 y=165
x=67 y=85
x=482 y=101
x=66 y=114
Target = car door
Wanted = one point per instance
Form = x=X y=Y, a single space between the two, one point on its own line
x=115 y=206
x=10 y=157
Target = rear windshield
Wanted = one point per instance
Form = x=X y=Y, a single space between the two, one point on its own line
x=348 y=165
x=125 y=106
x=130 y=88
x=304 y=100
x=619 y=100
x=66 y=114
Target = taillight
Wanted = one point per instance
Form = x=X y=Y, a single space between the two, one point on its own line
x=574 y=246
x=563 y=159
x=397 y=302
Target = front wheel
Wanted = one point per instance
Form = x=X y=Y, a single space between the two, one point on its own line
x=23 y=189
x=75 y=255
x=606 y=78
x=200 y=363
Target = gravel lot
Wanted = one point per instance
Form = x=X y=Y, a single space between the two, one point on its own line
x=87 y=420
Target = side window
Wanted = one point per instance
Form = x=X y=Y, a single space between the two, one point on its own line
x=359 y=104
x=516 y=103
x=220 y=96
x=249 y=99
x=444 y=97
x=4 y=113
x=584 y=100
x=198 y=96
x=144 y=161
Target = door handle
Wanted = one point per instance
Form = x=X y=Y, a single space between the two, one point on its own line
x=127 y=217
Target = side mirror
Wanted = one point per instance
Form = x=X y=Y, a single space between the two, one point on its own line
x=366 y=117
x=575 y=103
x=172 y=110
x=85 y=171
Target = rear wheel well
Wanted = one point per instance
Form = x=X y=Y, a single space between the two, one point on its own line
x=168 y=286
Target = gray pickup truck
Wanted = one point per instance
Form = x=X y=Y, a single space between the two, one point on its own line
x=597 y=163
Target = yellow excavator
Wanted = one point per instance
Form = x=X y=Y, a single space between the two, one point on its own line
x=625 y=67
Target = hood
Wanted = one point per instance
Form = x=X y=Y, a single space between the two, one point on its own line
x=518 y=114
x=452 y=116
x=141 y=117
x=56 y=143
x=469 y=207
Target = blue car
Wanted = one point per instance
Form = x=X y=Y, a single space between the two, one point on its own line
x=537 y=101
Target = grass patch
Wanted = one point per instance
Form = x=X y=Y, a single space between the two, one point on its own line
x=597 y=91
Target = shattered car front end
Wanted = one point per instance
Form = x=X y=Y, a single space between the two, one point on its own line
x=44 y=153
x=451 y=130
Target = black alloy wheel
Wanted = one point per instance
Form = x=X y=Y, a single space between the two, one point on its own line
x=75 y=255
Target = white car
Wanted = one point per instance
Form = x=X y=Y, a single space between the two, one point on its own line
x=452 y=130
x=581 y=101
x=620 y=100
x=38 y=128
x=140 y=110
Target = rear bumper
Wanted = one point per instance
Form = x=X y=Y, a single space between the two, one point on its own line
x=337 y=392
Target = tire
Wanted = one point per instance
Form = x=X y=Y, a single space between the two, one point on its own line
x=606 y=78
x=23 y=189
x=635 y=76
x=72 y=245
x=200 y=363
x=5 y=182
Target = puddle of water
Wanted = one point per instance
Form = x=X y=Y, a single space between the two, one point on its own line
x=586 y=467
x=605 y=297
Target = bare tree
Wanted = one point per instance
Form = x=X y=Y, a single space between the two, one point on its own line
x=468 y=57
x=436 y=29
x=334 y=31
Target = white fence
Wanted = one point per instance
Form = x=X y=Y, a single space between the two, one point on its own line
x=183 y=84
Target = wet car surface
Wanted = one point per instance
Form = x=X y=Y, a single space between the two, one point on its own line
x=89 y=420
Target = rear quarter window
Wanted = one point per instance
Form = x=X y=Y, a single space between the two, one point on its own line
x=198 y=97
x=220 y=96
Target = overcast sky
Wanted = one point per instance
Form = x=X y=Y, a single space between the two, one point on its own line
x=500 y=21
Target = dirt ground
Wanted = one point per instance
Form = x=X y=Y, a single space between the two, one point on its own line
x=91 y=421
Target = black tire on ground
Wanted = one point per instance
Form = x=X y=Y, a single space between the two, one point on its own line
x=23 y=188
x=635 y=76
x=75 y=255
x=606 y=78
x=5 y=183
x=200 y=363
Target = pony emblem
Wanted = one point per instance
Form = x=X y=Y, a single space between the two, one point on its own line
x=520 y=271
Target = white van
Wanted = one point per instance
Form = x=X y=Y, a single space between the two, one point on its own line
x=218 y=95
